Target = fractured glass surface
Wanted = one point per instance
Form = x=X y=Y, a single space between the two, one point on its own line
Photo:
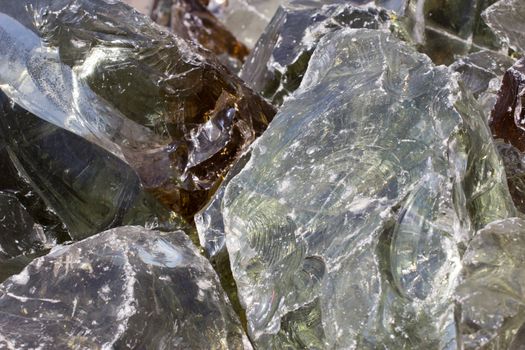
x=382 y=208
x=508 y=116
x=481 y=72
x=106 y=73
x=277 y=64
x=128 y=287
x=346 y=227
x=191 y=20
x=514 y=162
x=21 y=238
x=491 y=293
x=446 y=29
x=90 y=189
x=246 y=19
x=505 y=17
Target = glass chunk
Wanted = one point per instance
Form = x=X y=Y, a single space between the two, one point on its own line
x=246 y=19
x=481 y=72
x=448 y=29
x=508 y=116
x=514 y=162
x=491 y=293
x=351 y=216
x=128 y=287
x=191 y=20
x=108 y=74
x=90 y=189
x=505 y=17
x=21 y=237
x=276 y=66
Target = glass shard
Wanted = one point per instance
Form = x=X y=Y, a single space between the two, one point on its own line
x=90 y=189
x=514 y=162
x=191 y=20
x=447 y=29
x=106 y=73
x=508 y=116
x=505 y=17
x=21 y=237
x=481 y=73
x=209 y=221
x=128 y=287
x=246 y=19
x=277 y=64
x=353 y=211
x=491 y=293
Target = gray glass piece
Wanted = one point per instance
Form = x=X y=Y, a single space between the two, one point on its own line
x=505 y=17
x=90 y=189
x=514 y=161
x=478 y=69
x=128 y=287
x=481 y=72
x=209 y=221
x=276 y=66
x=246 y=19
x=448 y=29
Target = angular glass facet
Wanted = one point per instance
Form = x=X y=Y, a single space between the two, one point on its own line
x=508 y=116
x=124 y=288
x=90 y=189
x=277 y=64
x=506 y=121
x=106 y=73
x=191 y=20
x=505 y=17
x=209 y=221
x=514 y=162
x=246 y=19
x=446 y=29
x=479 y=69
x=491 y=293
x=481 y=73
x=21 y=237
x=346 y=227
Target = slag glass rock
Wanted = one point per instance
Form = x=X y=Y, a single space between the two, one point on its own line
x=481 y=72
x=508 y=116
x=505 y=17
x=21 y=239
x=277 y=64
x=491 y=293
x=28 y=224
x=480 y=68
x=246 y=19
x=514 y=162
x=90 y=189
x=446 y=29
x=123 y=288
x=191 y=20
x=346 y=227
x=209 y=221
x=506 y=121
x=107 y=73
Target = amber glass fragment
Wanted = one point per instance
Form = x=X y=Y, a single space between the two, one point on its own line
x=162 y=104
x=191 y=20
x=507 y=119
